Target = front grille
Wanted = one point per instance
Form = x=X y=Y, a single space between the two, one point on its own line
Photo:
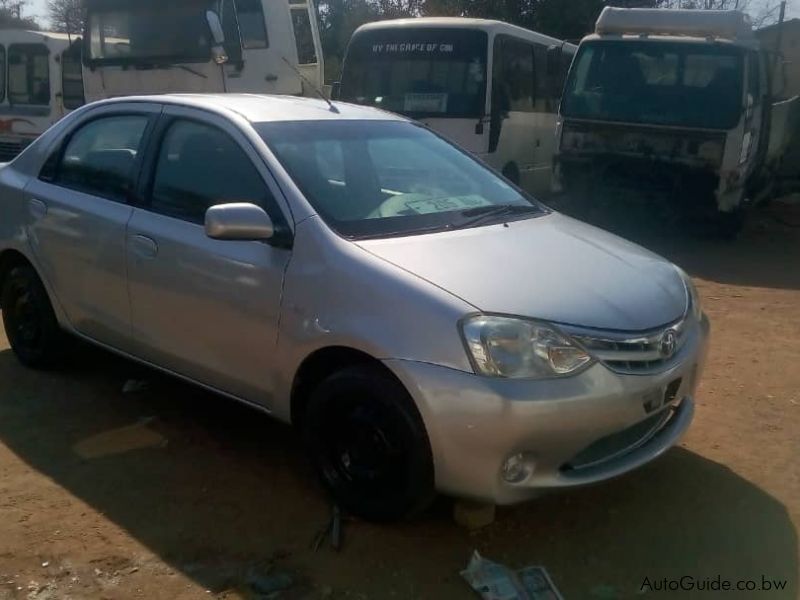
x=623 y=442
x=635 y=354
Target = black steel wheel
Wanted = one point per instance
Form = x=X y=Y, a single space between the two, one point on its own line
x=30 y=323
x=369 y=445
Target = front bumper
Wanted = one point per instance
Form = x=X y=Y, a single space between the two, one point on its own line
x=577 y=430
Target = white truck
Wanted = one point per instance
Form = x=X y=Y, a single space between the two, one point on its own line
x=203 y=46
x=40 y=81
x=678 y=102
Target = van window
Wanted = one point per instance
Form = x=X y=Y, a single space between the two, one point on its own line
x=252 y=25
x=72 y=78
x=306 y=53
x=29 y=74
x=513 y=80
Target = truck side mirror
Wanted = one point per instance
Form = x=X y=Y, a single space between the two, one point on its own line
x=336 y=90
x=217 y=38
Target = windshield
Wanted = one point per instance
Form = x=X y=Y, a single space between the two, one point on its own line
x=421 y=72
x=383 y=178
x=659 y=83
x=150 y=32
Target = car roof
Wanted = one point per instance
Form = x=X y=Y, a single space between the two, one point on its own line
x=262 y=108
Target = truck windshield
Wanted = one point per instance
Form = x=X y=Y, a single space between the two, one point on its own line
x=391 y=178
x=423 y=72
x=144 y=31
x=657 y=83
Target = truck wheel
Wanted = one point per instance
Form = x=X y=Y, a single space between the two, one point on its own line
x=31 y=325
x=369 y=445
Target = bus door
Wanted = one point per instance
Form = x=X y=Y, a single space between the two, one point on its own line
x=513 y=123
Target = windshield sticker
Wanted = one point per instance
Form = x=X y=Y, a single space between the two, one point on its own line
x=428 y=103
x=413 y=48
x=438 y=205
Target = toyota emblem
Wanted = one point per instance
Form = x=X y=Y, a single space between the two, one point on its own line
x=669 y=343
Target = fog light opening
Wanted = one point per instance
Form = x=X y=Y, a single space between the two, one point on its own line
x=518 y=468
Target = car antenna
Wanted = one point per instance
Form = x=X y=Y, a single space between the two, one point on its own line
x=311 y=85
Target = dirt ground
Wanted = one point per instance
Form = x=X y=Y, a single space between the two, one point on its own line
x=171 y=492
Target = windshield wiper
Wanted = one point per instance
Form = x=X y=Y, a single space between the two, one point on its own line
x=479 y=214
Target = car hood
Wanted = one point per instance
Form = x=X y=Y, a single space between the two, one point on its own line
x=551 y=267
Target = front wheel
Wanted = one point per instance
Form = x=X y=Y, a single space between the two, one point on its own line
x=369 y=444
x=31 y=325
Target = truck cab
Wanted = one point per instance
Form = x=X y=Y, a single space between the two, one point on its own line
x=677 y=100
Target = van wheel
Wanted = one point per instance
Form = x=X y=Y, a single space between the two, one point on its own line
x=31 y=325
x=369 y=445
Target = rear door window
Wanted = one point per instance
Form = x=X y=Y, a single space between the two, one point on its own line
x=29 y=74
x=100 y=158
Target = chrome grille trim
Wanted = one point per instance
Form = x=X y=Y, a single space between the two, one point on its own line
x=633 y=353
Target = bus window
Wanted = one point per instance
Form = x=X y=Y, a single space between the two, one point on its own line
x=29 y=74
x=306 y=54
x=252 y=25
x=2 y=73
x=513 y=80
x=72 y=78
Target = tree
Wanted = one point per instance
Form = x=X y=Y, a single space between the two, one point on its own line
x=11 y=15
x=66 y=16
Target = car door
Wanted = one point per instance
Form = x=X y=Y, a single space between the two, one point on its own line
x=203 y=308
x=78 y=210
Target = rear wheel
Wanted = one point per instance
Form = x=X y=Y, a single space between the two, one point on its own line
x=30 y=322
x=369 y=444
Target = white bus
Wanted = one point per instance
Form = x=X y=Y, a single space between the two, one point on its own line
x=491 y=87
x=40 y=81
x=237 y=46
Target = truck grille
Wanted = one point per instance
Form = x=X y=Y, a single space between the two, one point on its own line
x=635 y=354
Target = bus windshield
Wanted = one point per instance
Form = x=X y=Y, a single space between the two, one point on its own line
x=146 y=31
x=657 y=83
x=423 y=72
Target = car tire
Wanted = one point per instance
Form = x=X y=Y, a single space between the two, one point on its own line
x=369 y=445
x=30 y=322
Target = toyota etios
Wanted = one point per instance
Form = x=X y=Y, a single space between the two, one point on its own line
x=423 y=322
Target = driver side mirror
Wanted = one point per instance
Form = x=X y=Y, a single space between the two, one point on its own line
x=217 y=37
x=238 y=221
x=336 y=90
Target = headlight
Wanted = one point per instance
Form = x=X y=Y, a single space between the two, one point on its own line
x=695 y=305
x=519 y=348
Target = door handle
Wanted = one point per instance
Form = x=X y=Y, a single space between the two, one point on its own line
x=144 y=247
x=37 y=208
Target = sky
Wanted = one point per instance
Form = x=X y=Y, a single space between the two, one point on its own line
x=37 y=7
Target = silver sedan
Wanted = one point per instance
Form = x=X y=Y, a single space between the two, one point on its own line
x=424 y=323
